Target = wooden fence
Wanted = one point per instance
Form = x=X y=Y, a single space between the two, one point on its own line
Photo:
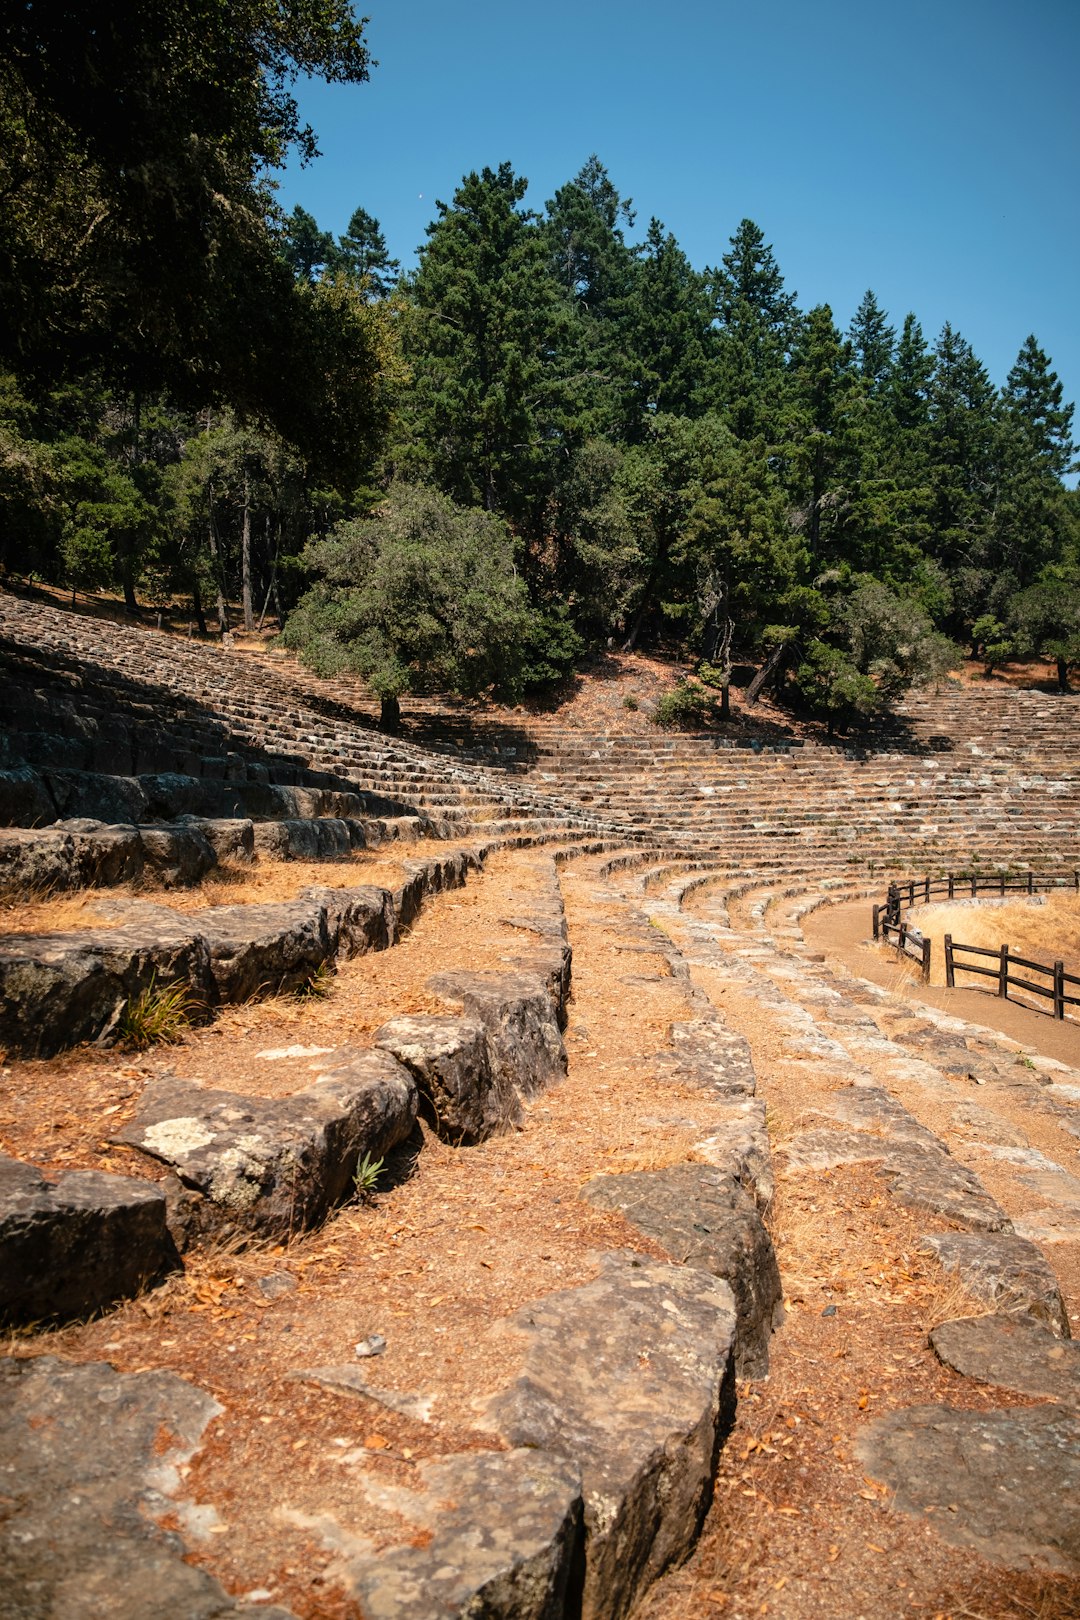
x=890 y=926
x=1003 y=973
x=908 y=941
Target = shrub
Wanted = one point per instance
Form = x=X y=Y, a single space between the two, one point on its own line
x=686 y=707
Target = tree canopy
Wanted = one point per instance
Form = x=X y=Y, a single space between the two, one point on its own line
x=201 y=393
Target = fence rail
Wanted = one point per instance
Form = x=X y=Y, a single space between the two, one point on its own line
x=1055 y=991
x=909 y=892
x=890 y=926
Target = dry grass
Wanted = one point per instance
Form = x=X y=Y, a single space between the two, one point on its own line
x=1045 y=928
x=45 y=912
x=266 y=881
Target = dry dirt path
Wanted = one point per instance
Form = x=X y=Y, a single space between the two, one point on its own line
x=801 y=1527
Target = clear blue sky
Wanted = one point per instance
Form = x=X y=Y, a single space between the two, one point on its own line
x=930 y=151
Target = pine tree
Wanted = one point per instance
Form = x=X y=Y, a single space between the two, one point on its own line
x=873 y=341
x=362 y=254
x=1032 y=398
x=485 y=411
x=663 y=333
x=758 y=322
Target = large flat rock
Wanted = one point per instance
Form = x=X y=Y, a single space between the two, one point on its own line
x=275 y=1165
x=1006 y=1271
x=59 y=989
x=1005 y=1483
x=1011 y=1352
x=490 y=1534
x=92 y=1463
x=450 y=1060
x=76 y=1242
x=522 y=1026
x=706 y=1219
x=631 y=1378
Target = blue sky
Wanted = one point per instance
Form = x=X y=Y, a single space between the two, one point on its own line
x=929 y=151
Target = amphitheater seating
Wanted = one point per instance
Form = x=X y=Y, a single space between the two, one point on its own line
x=140 y=764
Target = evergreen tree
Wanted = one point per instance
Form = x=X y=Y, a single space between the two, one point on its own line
x=962 y=406
x=873 y=341
x=663 y=332
x=1032 y=399
x=305 y=248
x=820 y=451
x=486 y=408
x=362 y=254
x=758 y=322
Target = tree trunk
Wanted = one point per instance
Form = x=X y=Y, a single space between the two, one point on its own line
x=389 y=714
x=725 y=698
x=222 y=605
x=197 y=607
x=646 y=603
x=766 y=674
x=127 y=578
x=245 y=556
x=1063 y=675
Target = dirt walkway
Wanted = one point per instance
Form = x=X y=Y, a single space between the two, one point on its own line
x=842 y=932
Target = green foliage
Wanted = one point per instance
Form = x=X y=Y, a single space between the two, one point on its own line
x=319 y=984
x=687 y=706
x=159 y=1015
x=422 y=595
x=366 y=1178
x=1045 y=619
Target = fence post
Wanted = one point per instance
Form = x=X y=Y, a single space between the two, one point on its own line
x=950 y=970
x=1031 y=883
x=877 y=926
x=1059 y=990
x=950 y=885
x=926 y=961
x=926 y=891
x=1002 y=876
x=974 y=885
x=1003 y=973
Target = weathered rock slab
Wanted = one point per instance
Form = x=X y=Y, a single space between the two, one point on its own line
x=515 y=1009
x=707 y=1220
x=59 y=989
x=496 y=1534
x=277 y=1165
x=1005 y=1483
x=631 y=1378
x=450 y=1060
x=1007 y=1271
x=1011 y=1352
x=93 y=1459
x=77 y=1242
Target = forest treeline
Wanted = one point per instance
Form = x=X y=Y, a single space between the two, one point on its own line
x=554 y=435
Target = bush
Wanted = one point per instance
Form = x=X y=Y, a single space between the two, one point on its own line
x=686 y=707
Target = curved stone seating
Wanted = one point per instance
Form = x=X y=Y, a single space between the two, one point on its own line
x=707 y=856
x=59 y=989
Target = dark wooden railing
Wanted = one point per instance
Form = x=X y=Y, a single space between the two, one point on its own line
x=908 y=941
x=890 y=926
x=1006 y=979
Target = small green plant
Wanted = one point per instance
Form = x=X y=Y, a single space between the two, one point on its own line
x=157 y=1015
x=367 y=1176
x=630 y=702
x=318 y=985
